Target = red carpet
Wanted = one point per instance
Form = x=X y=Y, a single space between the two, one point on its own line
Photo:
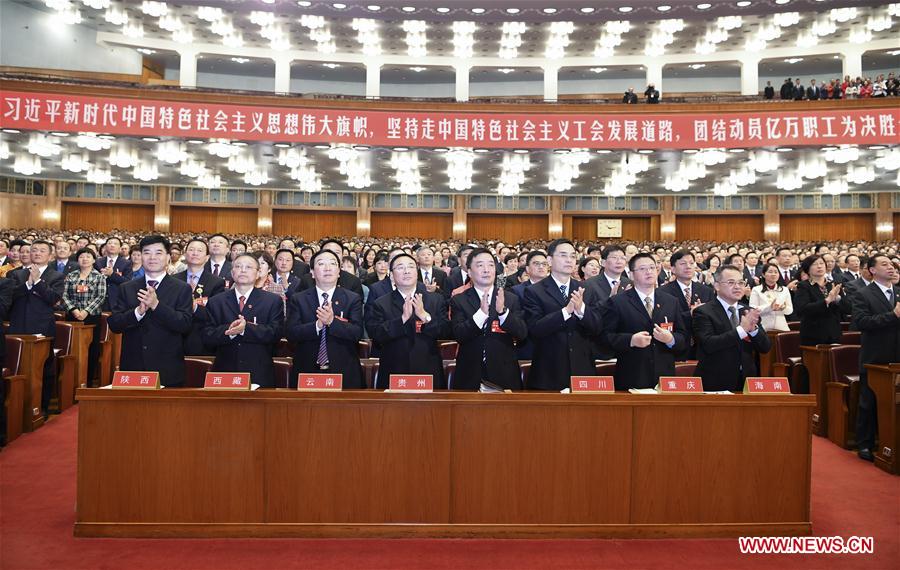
x=37 y=504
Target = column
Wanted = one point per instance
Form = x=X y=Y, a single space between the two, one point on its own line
x=551 y=83
x=884 y=218
x=654 y=76
x=462 y=82
x=555 y=219
x=373 y=79
x=750 y=77
x=667 y=219
x=161 y=209
x=459 y=217
x=771 y=219
x=52 y=213
x=187 y=75
x=364 y=215
x=264 y=213
x=851 y=59
x=282 y=75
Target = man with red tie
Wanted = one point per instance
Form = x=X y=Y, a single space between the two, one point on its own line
x=219 y=264
x=115 y=268
x=244 y=325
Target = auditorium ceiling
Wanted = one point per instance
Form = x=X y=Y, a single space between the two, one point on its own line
x=175 y=162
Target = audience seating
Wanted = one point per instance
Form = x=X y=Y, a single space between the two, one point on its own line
x=794 y=325
x=789 y=361
x=449 y=372
x=110 y=343
x=14 y=384
x=66 y=367
x=195 y=369
x=365 y=348
x=449 y=349
x=525 y=368
x=817 y=361
x=605 y=367
x=369 y=369
x=283 y=367
x=843 y=394
x=284 y=349
x=850 y=337
x=686 y=368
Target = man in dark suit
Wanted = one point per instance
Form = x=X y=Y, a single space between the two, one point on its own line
x=244 y=325
x=611 y=281
x=812 y=92
x=559 y=323
x=727 y=334
x=787 y=90
x=630 y=97
x=325 y=322
x=458 y=275
x=486 y=321
x=769 y=91
x=407 y=325
x=689 y=295
x=283 y=272
x=4 y=252
x=151 y=313
x=434 y=279
x=799 y=91
x=536 y=268
x=204 y=285
x=62 y=262
x=345 y=281
x=643 y=327
x=386 y=285
x=115 y=268
x=856 y=268
x=218 y=264
x=876 y=313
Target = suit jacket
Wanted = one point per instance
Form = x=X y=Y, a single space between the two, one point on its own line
x=562 y=347
x=6 y=298
x=342 y=337
x=812 y=93
x=378 y=289
x=224 y=271
x=439 y=278
x=32 y=311
x=819 y=323
x=207 y=286
x=724 y=359
x=67 y=266
x=596 y=294
x=525 y=350
x=699 y=292
x=501 y=366
x=403 y=350
x=121 y=274
x=837 y=275
x=455 y=279
x=252 y=351
x=626 y=315
x=874 y=317
x=346 y=281
x=300 y=268
x=781 y=281
x=147 y=344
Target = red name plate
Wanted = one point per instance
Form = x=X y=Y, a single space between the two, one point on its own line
x=320 y=382
x=767 y=385
x=411 y=383
x=592 y=384
x=680 y=385
x=139 y=380
x=227 y=380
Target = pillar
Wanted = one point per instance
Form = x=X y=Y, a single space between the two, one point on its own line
x=654 y=76
x=750 y=77
x=551 y=83
x=771 y=219
x=52 y=213
x=282 y=75
x=851 y=60
x=373 y=80
x=264 y=213
x=364 y=215
x=161 y=209
x=462 y=82
x=187 y=75
x=884 y=218
x=459 y=217
x=555 y=219
x=667 y=226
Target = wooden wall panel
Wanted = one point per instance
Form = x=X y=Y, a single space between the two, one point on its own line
x=814 y=227
x=635 y=228
x=897 y=226
x=104 y=216
x=21 y=211
x=193 y=219
x=313 y=225
x=719 y=227
x=510 y=228
x=412 y=224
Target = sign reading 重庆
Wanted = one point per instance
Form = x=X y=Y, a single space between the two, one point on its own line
x=134 y=379
x=680 y=385
x=122 y=116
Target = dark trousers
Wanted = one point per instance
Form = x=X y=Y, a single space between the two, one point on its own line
x=866 y=419
x=94 y=349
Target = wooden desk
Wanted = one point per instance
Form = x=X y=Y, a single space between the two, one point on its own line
x=280 y=463
x=815 y=358
x=766 y=359
x=885 y=382
x=34 y=353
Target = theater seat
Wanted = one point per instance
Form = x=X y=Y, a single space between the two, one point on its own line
x=195 y=369
x=850 y=337
x=364 y=348
x=108 y=345
x=843 y=394
x=449 y=372
x=369 y=369
x=524 y=369
x=794 y=325
x=283 y=371
x=686 y=368
x=448 y=349
x=605 y=368
x=13 y=389
x=66 y=367
x=789 y=361
x=284 y=349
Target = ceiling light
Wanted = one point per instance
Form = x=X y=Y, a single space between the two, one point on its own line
x=587 y=10
x=150 y=139
x=240 y=59
x=894 y=52
x=478 y=10
x=145 y=51
x=339 y=5
x=59 y=134
x=521 y=151
x=512 y=10
x=697 y=65
x=443 y=10
x=373 y=7
x=12 y=131
x=331 y=65
x=598 y=69
x=793 y=60
x=625 y=9
x=782 y=2
x=784 y=149
x=417 y=69
x=304 y=3
x=664 y=8
x=408 y=9
x=704 y=6
x=505 y=70
x=743 y=3
x=549 y=10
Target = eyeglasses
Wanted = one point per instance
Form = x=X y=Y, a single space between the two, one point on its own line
x=732 y=283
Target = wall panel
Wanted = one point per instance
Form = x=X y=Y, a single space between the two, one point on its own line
x=634 y=228
x=18 y=211
x=313 y=225
x=193 y=219
x=509 y=228
x=104 y=217
x=814 y=227
x=719 y=227
x=419 y=225
x=897 y=226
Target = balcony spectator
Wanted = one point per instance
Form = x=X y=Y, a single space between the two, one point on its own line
x=769 y=91
x=630 y=97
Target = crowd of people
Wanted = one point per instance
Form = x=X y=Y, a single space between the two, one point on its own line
x=561 y=305
x=848 y=88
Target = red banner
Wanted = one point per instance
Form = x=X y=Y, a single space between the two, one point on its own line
x=117 y=116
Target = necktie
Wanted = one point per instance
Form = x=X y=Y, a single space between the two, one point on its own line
x=735 y=321
x=152 y=283
x=322 y=356
x=216 y=269
x=562 y=291
x=648 y=304
x=193 y=282
x=615 y=287
x=890 y=296
x=241 y=301
x=61 y=266
x=786 y=276
x=428 y=277
x=109 y=262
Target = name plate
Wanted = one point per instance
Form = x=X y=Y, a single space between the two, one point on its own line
x=593 y=385
x=320 y=382
x=767 y=385
x=227 y=381
x=136 y=380
x=680 y=385
x=411 y=383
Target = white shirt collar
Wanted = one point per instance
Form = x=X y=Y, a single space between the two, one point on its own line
x=157 y=279
x=641 y=296
x=610 y=279
x=330 y=292
x=238 y=295
x=884 y=290
x=481 y=292
x=559 y=284
x=726 y=306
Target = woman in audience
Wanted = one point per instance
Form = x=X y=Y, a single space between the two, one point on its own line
x=83 y=297
x=510 y=268
x=818 y=304
x=137 y=267
x=368 y=262
x=708 y=275
x=264 y=279
x=175 y=264
x=13 y=260
x=380 y=270
x=772 y=300
x=589 y=267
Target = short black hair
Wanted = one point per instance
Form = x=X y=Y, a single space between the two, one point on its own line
x=509 y=257
x=534 y=253
x=730 y=259
x=49 y=245
x=109 y=239
x=640 y=255
x=873 y=260
x=223 y=236
x=304 y=248
x=678 y=255
x=463 y=248
x=726 y=267
x=404 y=254
x=153 y=240
x=17 y=242
x=312 y=260
x=197 y=240
x=255 y=260
x=327 y=241
x=783 y=248
x=86 y=250
x=477 y=251
x=610 y=249
x=284 y=250
x=551 y=247
x=808 y=261
x=594 y=248
x=238 y=242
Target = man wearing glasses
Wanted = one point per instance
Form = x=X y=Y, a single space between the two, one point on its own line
x=727 y=333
